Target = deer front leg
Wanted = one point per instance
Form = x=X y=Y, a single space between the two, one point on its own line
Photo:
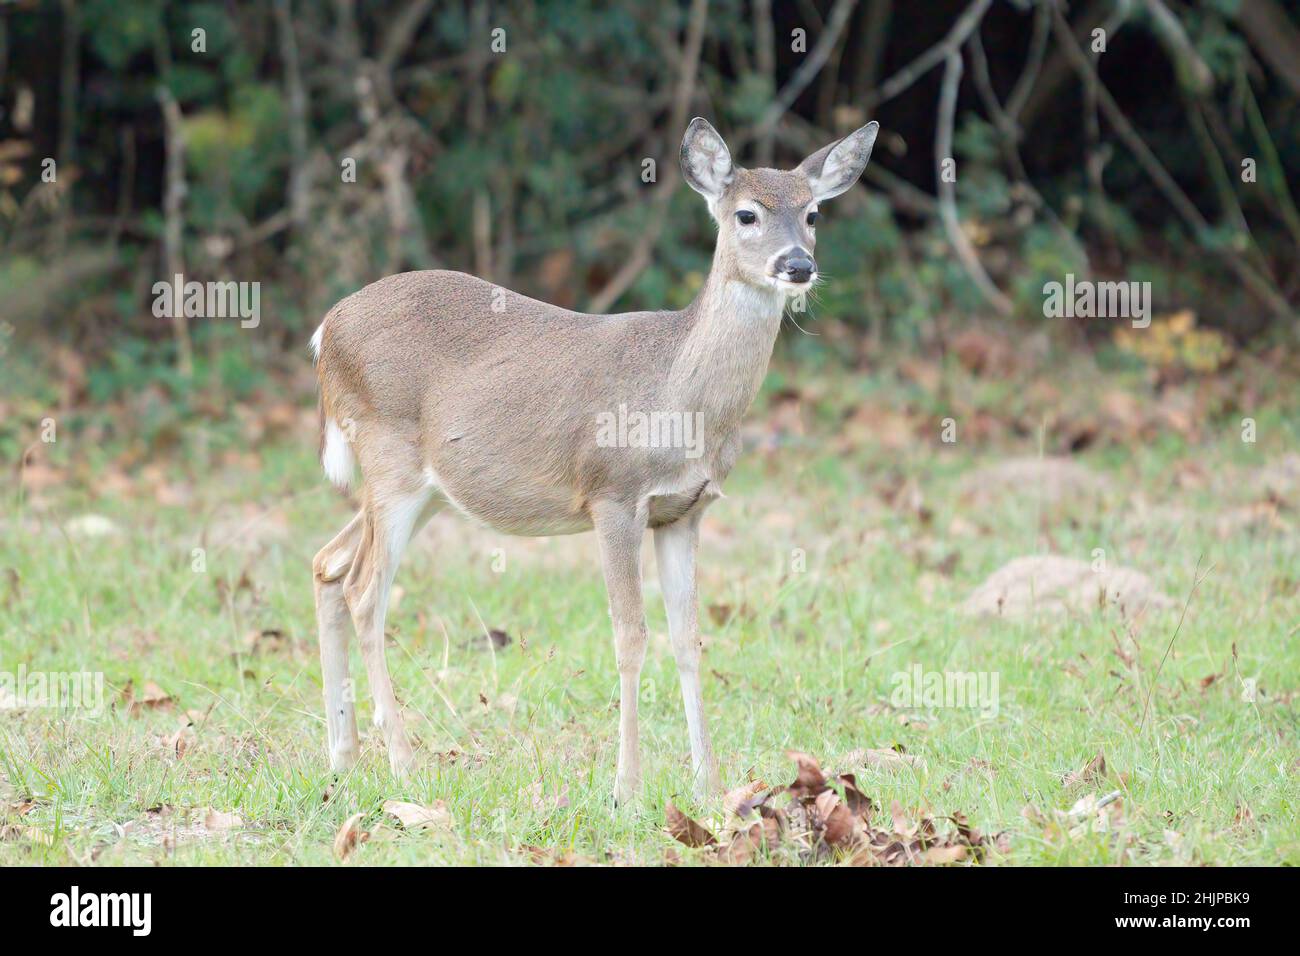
x=619 y=530
x=675 y=549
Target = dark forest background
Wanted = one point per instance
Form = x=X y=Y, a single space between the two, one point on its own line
x=525 y=165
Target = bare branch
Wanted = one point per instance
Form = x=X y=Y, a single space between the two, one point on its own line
x=1033 y=62
x=174 y=218
x=299 y=168
x=948 y=188
x=811 y=66
x=1191 y=69
x=1008 y=136
x=765 y=56
x=1275 y=37
x=951 y=43
x=875 y=27
x=639 y=257
x=1258 y=285
x=400 y=32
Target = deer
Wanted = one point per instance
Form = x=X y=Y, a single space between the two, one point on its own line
x=448 y=391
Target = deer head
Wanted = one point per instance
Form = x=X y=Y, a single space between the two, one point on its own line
x=767 y=218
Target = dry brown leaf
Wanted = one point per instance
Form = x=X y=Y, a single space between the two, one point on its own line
x=859 y=803
x=180 y=742
x=814 y=820
x=886 y=758
x=746 y=844
x=719 y=613
x=268 y=640
x=1093 y=773
x=810 y=780
x=835 y=819
x=150 y=697
x=543 y=802
x=412 y=816
x=350 y=836
x=685 y=830
x=1243 y=815
x=218 y=820
x=940 y=855
x=11 y=831
x=739 y=802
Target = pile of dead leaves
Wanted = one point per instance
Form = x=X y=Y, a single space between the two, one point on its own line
x=818 y=818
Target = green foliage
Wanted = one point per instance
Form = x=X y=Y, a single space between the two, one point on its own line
x=119 y=30
x=580 y=99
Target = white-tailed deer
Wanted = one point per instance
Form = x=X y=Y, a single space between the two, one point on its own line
x=447 y=389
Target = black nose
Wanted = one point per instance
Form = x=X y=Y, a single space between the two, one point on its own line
x=796 y=267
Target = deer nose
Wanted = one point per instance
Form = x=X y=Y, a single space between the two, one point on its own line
x=796 y=266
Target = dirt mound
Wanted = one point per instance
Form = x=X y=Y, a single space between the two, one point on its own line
x=1280 y=479
x=1049 y=480
x=1054 y=583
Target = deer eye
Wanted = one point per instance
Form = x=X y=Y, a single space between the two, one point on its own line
x=813 y=217
x=746 y=218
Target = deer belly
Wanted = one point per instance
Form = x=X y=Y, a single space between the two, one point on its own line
x=511 y=504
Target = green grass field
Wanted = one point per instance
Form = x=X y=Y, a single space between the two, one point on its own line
x=832 y=566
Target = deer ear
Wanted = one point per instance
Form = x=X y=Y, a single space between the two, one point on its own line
x=834 y=168
x=706 y=161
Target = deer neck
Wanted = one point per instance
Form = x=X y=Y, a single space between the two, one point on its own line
x=721 y=363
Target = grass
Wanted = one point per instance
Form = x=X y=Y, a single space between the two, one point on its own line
x=520 y=740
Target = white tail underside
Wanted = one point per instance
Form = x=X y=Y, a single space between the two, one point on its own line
x=338 y=460
x=315 y=342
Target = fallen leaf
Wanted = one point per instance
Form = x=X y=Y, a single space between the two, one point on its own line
x=1092 y=773
x=181 y=741
x=218 y=820
x=941 y=855
x=350 y=836
x=685 y=830
x=886 y=758
x=412 y=816
x=738 y=802
x=151 y=697
x=834 y=818
x=268 y=640
x=810 y=779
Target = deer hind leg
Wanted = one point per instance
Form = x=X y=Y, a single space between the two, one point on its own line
x=675 y=549
x=391 y=517
x=619 y=531
x=331 y=565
